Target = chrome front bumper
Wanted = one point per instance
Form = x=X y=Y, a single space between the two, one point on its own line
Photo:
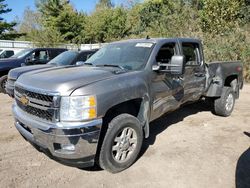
x=71 y=146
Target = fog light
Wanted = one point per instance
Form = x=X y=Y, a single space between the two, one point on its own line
x=68 y=147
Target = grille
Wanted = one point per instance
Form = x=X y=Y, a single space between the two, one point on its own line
x=44 y=114
x=39 y=105
x=42 y=97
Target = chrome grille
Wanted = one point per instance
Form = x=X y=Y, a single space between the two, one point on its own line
x=48 y=98
x=40 y=105
x=44 y=114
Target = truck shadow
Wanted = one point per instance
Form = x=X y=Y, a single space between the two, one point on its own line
x=161 y=124
x=242 y=174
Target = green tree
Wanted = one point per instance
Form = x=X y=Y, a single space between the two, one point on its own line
x=220 y=16
x=31 y=20
x=59 y=16
x=104 y=4
x=7 y=30
x=31 y=24
x=105 y=25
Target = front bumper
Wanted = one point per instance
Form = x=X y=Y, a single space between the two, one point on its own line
x=71 y=146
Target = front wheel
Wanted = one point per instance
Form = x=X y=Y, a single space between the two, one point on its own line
x=224 y=105
x=3 y=82
x=122 y=143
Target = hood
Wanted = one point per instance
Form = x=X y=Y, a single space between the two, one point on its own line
x=63 y=80
x=15 y=73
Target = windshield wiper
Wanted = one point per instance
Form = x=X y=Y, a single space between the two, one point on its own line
x=110 y=65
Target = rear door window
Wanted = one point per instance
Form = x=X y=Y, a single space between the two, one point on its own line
x=191 y=51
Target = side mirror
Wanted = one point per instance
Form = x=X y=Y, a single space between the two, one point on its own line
x=80 y=62
x=28 y=60
x=175 y=67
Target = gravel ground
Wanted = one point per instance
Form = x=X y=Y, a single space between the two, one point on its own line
x=190 y=147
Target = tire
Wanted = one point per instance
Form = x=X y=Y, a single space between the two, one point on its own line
x=224 y=105
x=122 y=143
x=3 y=81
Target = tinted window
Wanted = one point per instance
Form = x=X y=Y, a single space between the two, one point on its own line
x=130 y=55
x=192 y=53
x=9 y=53
x=85 y=55
x=55 y=52
x=65 y=58
x=40 y=55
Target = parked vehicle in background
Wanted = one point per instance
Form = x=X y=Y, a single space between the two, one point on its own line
x=66 y=58
x=26 y=57
x=100 y=112
x=6 y=53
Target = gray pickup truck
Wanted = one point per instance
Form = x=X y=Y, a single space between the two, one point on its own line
x=100 y=112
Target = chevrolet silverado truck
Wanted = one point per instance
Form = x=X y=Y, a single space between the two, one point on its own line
x=67 y=58
x=30 y=56
x=99 y=113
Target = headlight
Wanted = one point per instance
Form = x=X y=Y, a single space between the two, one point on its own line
x=78 y=108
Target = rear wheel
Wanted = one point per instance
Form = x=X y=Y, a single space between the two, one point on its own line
x=121 y=144
x=3 y=82
x=224 y=105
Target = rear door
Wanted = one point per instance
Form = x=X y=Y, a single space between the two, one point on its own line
x=194 y=78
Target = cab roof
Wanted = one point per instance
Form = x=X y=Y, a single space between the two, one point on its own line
x=160 y=40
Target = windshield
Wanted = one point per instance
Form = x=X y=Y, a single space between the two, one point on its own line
x=130 y=55
x=21 y=53
x=65 y=58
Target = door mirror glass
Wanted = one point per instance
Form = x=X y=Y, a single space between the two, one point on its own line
x=175 y=67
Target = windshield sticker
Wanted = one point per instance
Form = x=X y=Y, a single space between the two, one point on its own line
x=144 y=45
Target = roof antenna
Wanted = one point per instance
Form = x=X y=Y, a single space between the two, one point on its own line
x=147 y=37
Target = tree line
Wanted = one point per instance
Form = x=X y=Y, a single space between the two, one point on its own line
x=223 y=25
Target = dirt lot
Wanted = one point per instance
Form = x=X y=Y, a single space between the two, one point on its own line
x=188 y=148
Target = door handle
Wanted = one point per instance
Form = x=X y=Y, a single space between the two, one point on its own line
x=180 y=78
x=199 y=74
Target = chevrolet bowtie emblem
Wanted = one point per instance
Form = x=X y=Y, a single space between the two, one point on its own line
x=24 y=100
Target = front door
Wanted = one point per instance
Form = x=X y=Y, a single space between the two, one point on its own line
x=167 y=90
